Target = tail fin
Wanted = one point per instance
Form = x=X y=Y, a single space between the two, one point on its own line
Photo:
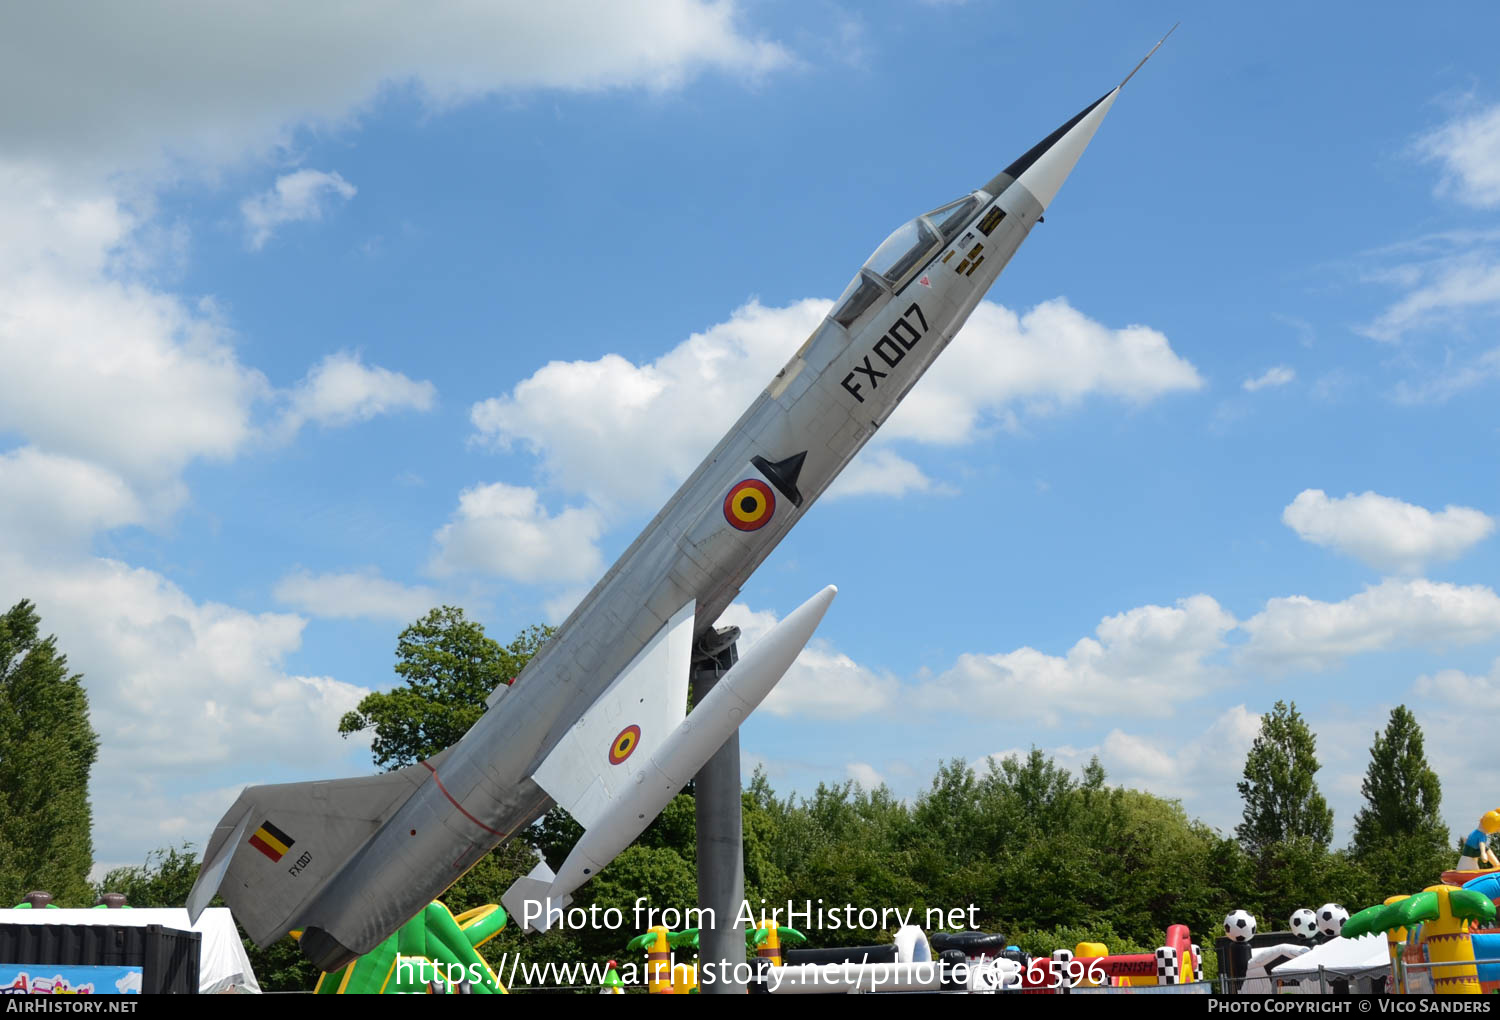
x=532 y=891
x=278 y=846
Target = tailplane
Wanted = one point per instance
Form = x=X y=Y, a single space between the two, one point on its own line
x=528 y=903
x=278 y=846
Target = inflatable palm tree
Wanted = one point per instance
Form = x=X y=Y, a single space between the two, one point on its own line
x=768 y=938
x=658 y=944
x=1444 y=912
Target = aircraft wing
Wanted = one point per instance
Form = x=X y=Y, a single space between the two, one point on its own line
x=611 y=742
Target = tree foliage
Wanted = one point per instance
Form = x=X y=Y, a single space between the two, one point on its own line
x=1399 y=834
x=1281 y=795
x=47 y=748
x=450 y=667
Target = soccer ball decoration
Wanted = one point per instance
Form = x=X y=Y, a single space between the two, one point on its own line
x=1304 y=923
x=1239 y=926
x=1331 y=918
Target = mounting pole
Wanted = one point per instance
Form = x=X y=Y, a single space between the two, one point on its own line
x=721 y=854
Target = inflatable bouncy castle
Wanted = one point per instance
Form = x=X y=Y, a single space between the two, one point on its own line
x=1438 y=921
x=1176 y=961
x=433 y=952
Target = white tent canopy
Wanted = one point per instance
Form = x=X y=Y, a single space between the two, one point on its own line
x=1265 y=960
x=222 y=965
x=1368 y=955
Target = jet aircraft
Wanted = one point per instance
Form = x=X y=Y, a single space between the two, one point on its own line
x=597 y=716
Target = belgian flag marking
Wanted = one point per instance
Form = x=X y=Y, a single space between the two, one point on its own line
x=271 y=841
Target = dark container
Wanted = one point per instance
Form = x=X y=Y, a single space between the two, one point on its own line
x=168 y=958
x=843 y=954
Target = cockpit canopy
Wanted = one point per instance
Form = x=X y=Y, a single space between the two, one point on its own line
x=909 y=245
x=901 y=251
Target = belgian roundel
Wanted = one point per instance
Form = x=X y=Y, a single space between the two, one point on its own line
x=625 y=744
x=749 y=505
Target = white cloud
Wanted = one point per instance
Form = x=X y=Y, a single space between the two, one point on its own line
x=1455 y=687
x=1051 y=357
x=295 y=197
x=341 y=390
x=1279 y=375
x=50 y=230
x=361 y=594
x=97 y=368
x=230 y=79
x=1468 y=149
x=823 y=683
x=1447 y=279
x=587 y=420
x=556 y=609
x=1297 y=632
x=1441 y=292
x=140 y=811
x=51 y=499
x=865 y=775
x=1451 y=380
x=132 y=381
x=878 y=471
x=1144 y=661
x=175 y=683
x=1384 y=532
x=504 y=530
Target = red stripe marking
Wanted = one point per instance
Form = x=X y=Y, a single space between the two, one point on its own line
x=440 y=786
x=265 y=848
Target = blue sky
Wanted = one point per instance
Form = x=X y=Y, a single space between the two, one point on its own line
x=309 y=323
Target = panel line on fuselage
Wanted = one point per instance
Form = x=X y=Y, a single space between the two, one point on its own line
x=438 y=779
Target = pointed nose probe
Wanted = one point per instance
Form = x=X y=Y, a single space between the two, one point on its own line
x=1045 y=166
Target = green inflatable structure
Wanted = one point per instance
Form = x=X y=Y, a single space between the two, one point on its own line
x=433 y=952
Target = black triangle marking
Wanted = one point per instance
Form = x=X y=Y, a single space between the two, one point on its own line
x=783 y=474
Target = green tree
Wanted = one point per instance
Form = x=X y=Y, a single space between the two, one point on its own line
x=47 y=748
x=1399 y=835
x=450 y=668
x=163 y=881
x=1281 y=795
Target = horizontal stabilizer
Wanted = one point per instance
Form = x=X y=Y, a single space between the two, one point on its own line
x=527 y=902
x=278 y=845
